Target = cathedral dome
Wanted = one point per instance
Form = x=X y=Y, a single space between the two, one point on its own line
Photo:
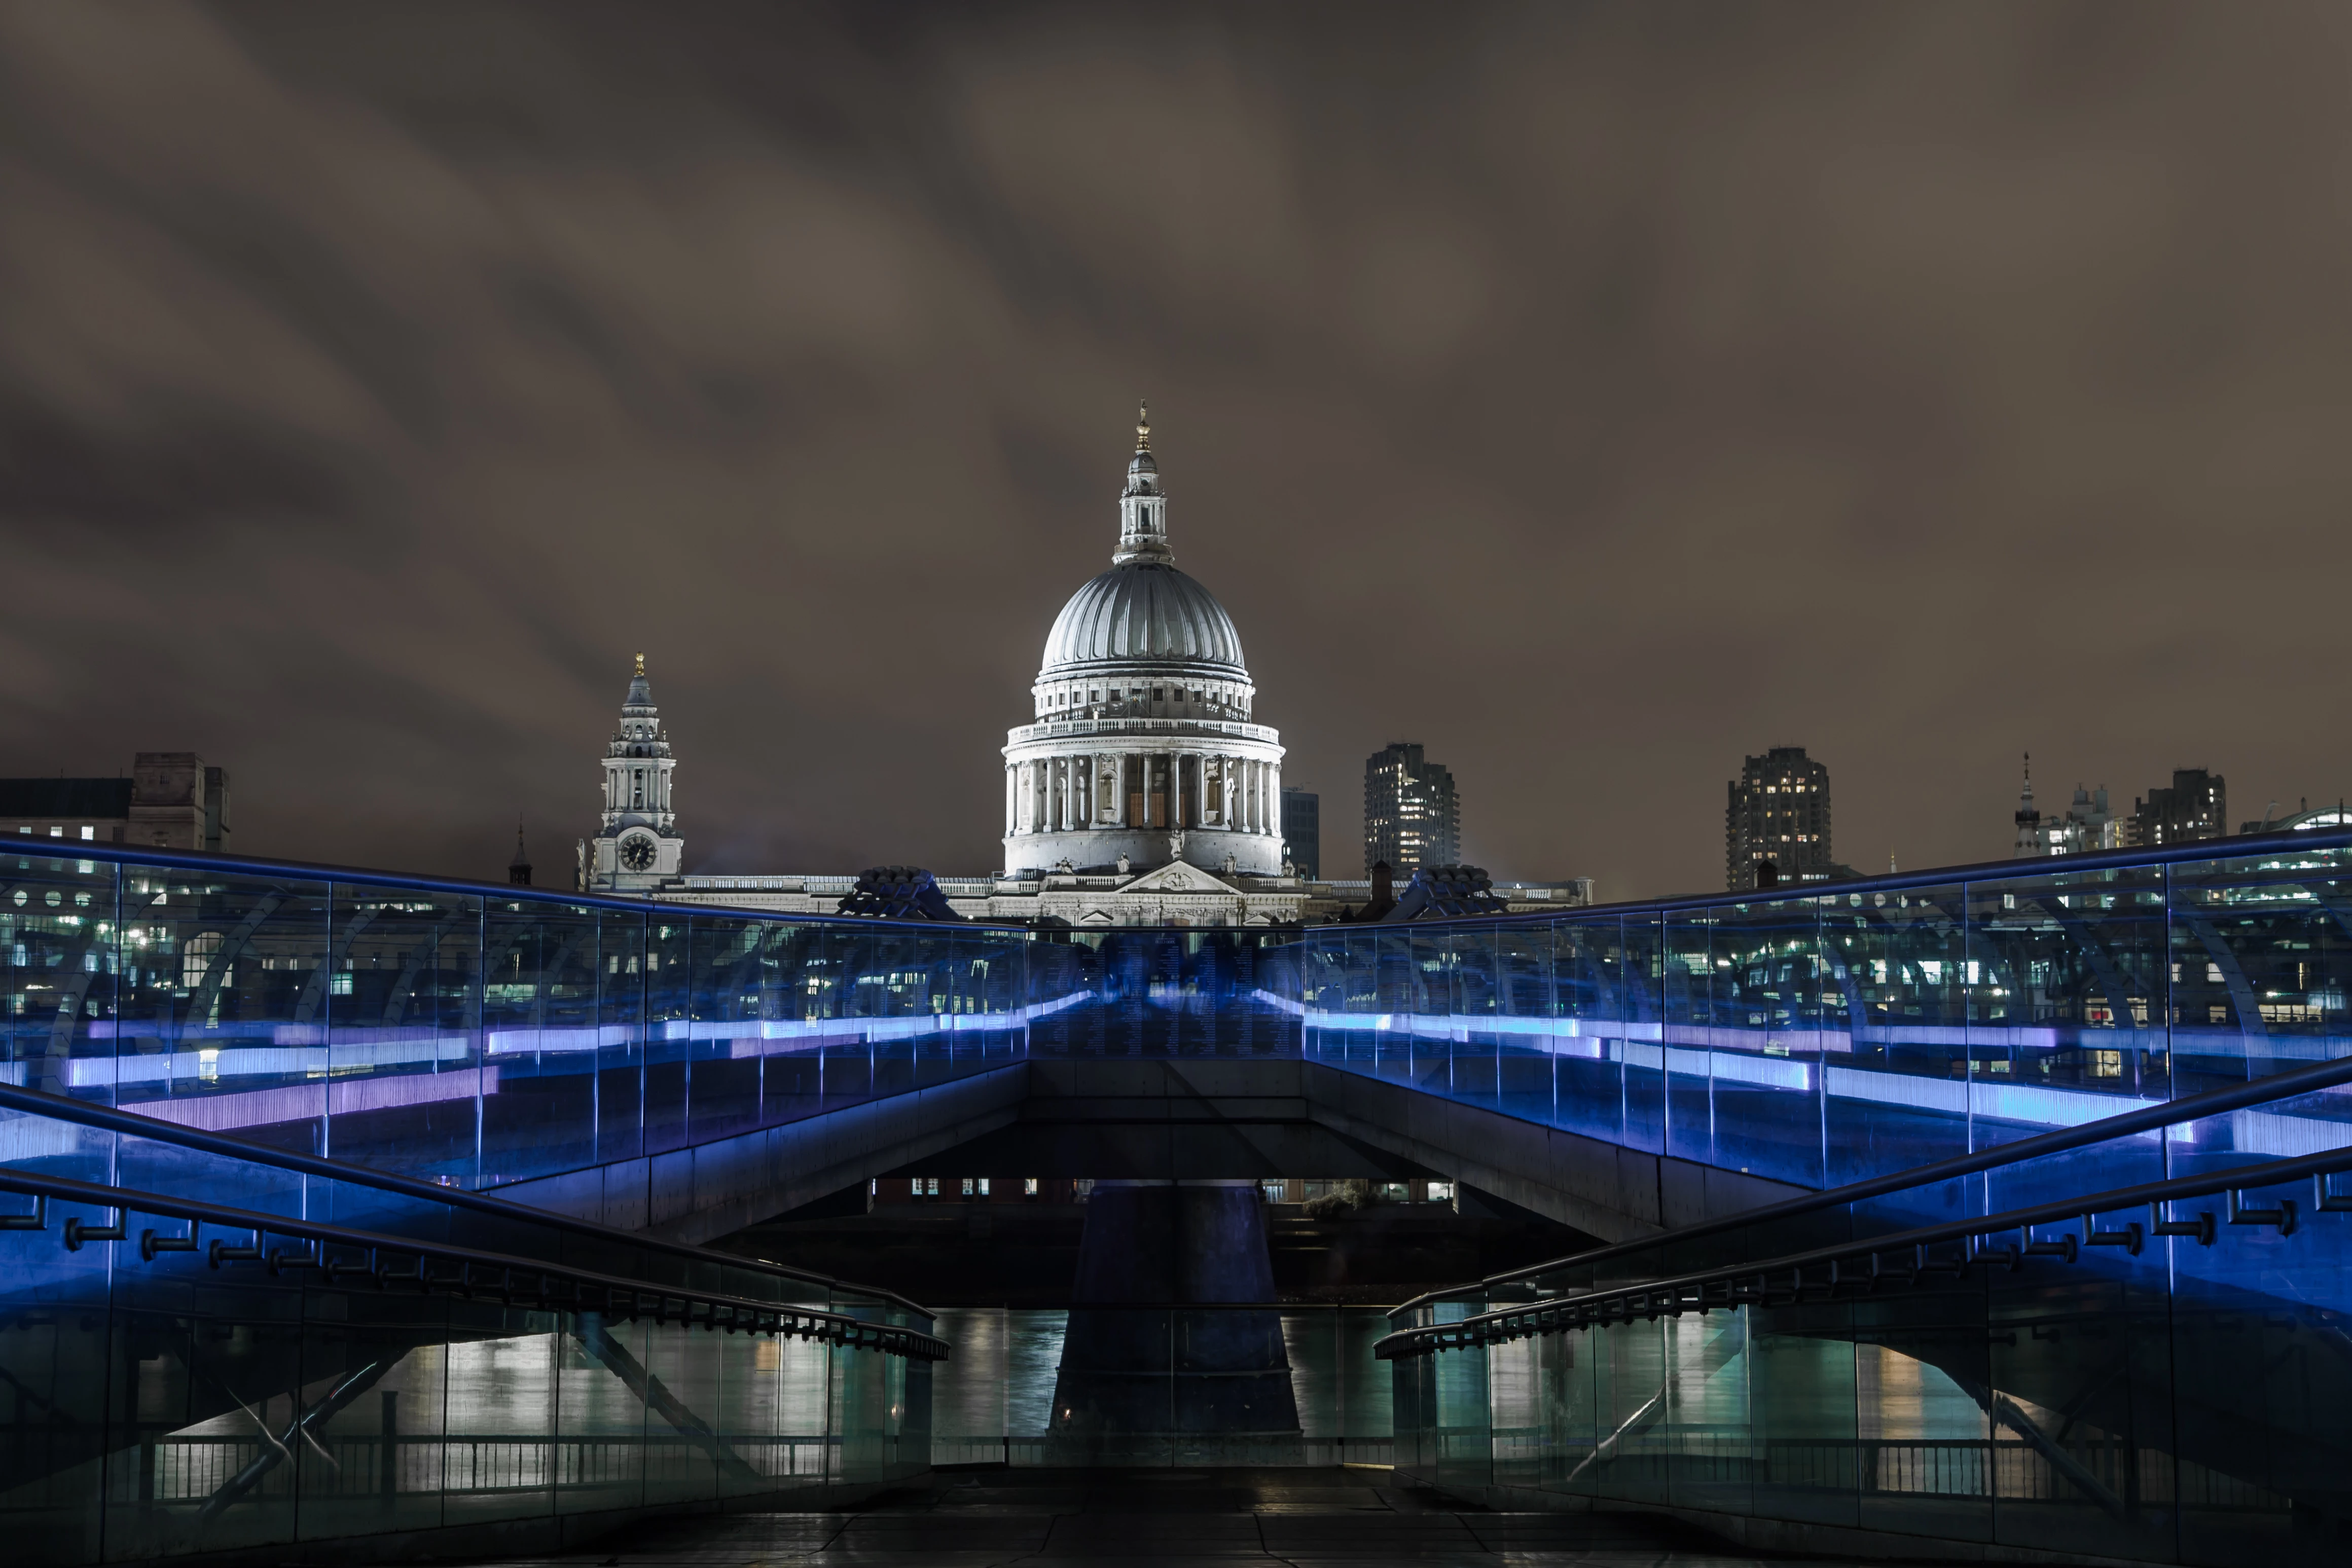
x=1143 y=611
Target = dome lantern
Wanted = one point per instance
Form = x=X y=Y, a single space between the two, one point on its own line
x=1142 y=509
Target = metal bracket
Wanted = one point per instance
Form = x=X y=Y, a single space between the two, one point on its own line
x=37 y=1220
x=221 y=1252
x=307 y=1258
x=2007 y=1255
x=2326 y=1200
x=149 y=1243
x=1880 y=1274
x=2130 y=1238
x=76 y=1232
x=2282 y=1215
x=2201 y=1228
x=2064 y=1247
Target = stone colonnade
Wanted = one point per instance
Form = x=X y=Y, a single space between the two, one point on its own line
x=1105 y=789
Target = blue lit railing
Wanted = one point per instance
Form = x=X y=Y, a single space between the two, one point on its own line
x=480 y=1036
x=1835 y=1032
x=471 y=1035
x=211 y=1347
x=1999 y=1348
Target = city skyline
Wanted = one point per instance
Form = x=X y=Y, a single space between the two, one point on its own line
x=1539 y=385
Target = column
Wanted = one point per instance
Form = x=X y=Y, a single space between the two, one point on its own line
x=1012 y=804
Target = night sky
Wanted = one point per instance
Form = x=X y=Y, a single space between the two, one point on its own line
x=1593 y=393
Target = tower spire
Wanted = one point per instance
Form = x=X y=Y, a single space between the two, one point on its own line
x=2028 y=818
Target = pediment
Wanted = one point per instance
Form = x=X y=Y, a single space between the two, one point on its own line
x=1177 y=877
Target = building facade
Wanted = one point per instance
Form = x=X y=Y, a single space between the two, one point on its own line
x=1302 y=832
x=172 y=800
x=2087 y=824
x=1143 y=750
x=1412 y=814
x=1778 y=811
x=1143 y=790
x=2196 y=806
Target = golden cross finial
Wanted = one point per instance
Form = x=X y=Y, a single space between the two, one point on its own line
x=1142 y=425
x=641 y=666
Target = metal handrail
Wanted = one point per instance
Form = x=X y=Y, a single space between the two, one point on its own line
x=38 y=1103
x=1752 y=1284
x=2287 y=1085
x=615 y=1296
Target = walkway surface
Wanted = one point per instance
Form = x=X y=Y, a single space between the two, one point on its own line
x=1068 y=1518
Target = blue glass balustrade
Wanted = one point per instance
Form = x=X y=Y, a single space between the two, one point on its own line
x=1849 y=1030
x=209 y=1351
x=2156 y=1372
x=482 y=1036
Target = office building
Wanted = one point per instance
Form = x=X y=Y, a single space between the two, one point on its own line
x=1412 y=815
x=1302 y=832
x=2196 y=806
x=1778 y=810
x=171 y=802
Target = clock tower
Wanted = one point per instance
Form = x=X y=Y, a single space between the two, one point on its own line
x=638 y=847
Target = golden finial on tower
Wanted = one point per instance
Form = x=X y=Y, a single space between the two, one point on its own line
x=641 y=666
x=1142 y=425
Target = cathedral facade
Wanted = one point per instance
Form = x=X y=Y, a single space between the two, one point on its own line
x=1142 y=792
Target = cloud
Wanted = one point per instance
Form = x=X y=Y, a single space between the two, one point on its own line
x=1593 y=395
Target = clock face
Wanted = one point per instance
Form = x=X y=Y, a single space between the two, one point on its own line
x=637 y=854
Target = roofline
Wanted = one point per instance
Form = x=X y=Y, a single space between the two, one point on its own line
x=2238 y=847
x=242 y=865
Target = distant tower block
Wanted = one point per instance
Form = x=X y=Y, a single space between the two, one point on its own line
x=1778 y=810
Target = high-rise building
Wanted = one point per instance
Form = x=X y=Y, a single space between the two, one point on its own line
x=1412 y=817
x=1302 y=832
x=1779 y=811
x=2195 y=806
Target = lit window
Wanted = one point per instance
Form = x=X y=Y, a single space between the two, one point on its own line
x=56 y=831
x=88 y=832
x=967 y=1187
x=1441 y=1192
x=1029 y=1186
